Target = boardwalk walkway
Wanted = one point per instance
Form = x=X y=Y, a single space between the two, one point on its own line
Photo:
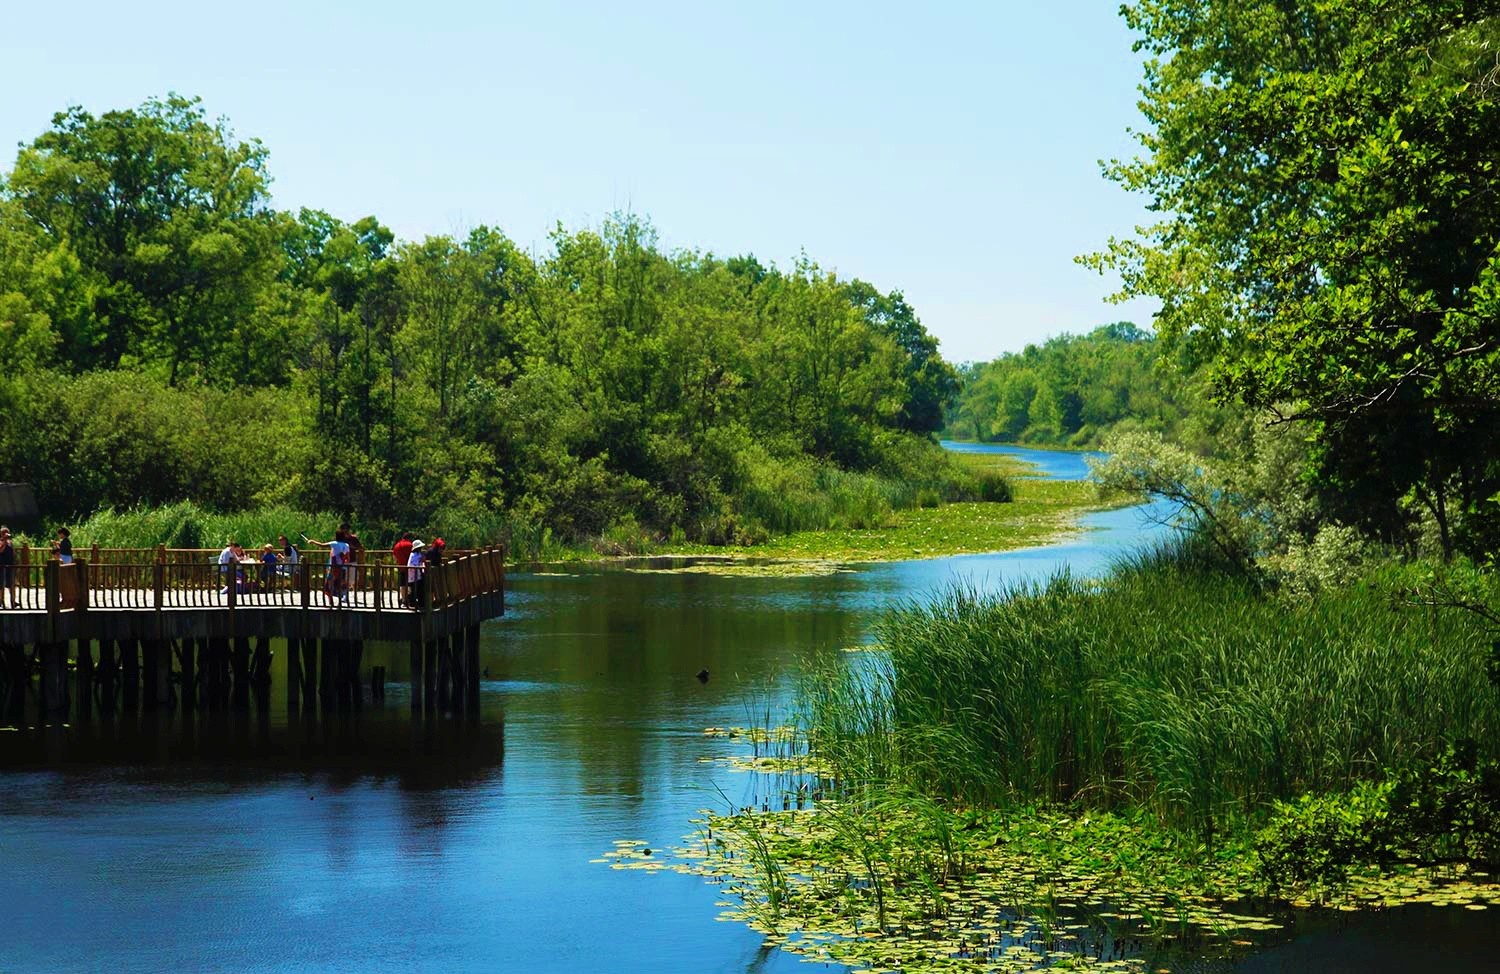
x=182 y=605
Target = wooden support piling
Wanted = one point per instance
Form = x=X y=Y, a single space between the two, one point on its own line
x=293 y=673
x=160 y=676
x=327 y=679
x=218 y=675
x=151 y=697
x=84 y=671
x=444 y=675
x=341 y=679
x=187 y=654
x=108 y=677
x=356 y=666
x=471 y=646
x=430 y=676
x=240 y=663
x=309 y=673
x=130 y=676
x=416 y=675
x=54 y=658
x=260 y=674
x=458 y=699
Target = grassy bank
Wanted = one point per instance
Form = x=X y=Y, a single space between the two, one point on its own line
x=787 y=512
x=1029 y=510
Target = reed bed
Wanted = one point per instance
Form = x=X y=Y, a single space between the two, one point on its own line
x=1170 y=685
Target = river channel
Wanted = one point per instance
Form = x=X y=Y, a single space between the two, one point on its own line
x=380 y=842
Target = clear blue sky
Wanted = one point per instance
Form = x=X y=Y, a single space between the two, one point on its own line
x=949 y=150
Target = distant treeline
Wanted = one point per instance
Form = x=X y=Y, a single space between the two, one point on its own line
x=166 y=334
x=1072 y=390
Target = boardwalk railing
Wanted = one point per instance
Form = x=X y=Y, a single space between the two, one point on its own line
x=173 y=579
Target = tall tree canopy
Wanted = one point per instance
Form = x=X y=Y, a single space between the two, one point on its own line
x=1327 y=178
x=602 y=380
x=168 y=220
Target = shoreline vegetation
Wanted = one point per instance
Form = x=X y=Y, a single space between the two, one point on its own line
x=1027 y=510
x=1174 y=761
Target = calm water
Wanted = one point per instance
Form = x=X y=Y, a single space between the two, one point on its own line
x=1057 y=464
x=381 y=843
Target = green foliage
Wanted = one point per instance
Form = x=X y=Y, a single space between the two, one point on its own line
x=1450 y=811
x=1331 y=237
x=1440 y=813
x=166 y=335
x=186 y=525
x=164 y=216
x=995 y=487
x=1250 y=500
x=1317 y=839
x=1172 y=685
x=1075 y=389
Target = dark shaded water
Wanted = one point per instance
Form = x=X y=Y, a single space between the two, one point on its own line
x=382 y=842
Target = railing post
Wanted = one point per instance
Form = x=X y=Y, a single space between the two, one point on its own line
x=377 y=587
x=304 y=582
x=159 y=585
x=83 y=585
x=429 y=580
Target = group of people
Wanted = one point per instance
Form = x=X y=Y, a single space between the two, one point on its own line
x=416 y=555
x=346 y=557
x=279 y=559
x=247 y=572
x=62 y=550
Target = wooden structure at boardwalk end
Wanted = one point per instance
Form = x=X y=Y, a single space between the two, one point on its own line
x=173 y=628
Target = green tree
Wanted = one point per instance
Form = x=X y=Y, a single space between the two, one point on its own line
x=1328 y=174
x=931 y=383
x=168 y=218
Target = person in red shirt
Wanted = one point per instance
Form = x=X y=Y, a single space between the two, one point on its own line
x=401 y=554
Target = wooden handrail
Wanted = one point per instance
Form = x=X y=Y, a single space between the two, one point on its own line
x=167 y=583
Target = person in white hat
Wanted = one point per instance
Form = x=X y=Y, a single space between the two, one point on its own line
x=414 y=574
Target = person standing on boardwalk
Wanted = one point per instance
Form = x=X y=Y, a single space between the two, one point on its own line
x=356 y=556
x=336 y=581
x=415 y=563
x=290 y=556
x=400 y=555
x=63 y=546
x=8 y=567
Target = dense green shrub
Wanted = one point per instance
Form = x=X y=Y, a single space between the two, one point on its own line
x=1442 y=812
x=1317 y=839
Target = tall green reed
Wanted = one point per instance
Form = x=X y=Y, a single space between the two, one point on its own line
x=1171 y=685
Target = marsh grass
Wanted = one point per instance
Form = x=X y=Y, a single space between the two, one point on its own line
x=187 y=525
x=1171 y=686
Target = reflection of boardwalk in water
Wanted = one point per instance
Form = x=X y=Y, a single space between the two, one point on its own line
x=380 y=742
x=170 y=631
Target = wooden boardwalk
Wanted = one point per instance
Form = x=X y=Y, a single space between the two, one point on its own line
x=148 y=609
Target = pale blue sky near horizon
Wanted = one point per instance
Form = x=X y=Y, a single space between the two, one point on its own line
x=947 y=150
